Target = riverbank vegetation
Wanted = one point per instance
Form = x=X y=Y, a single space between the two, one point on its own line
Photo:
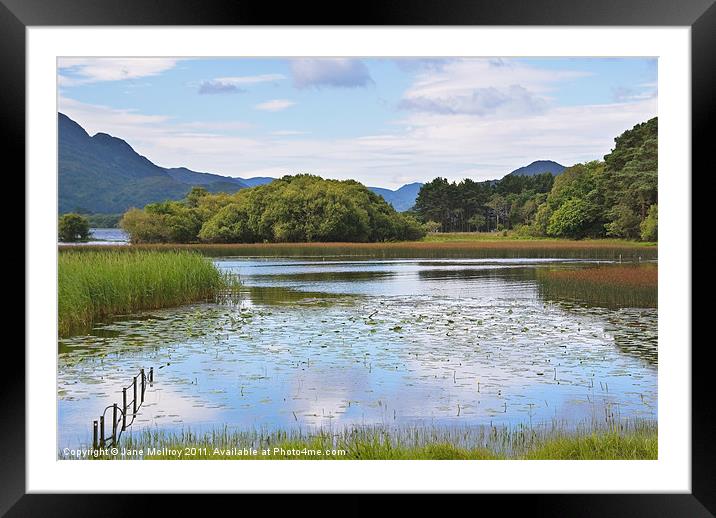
x=300 y=208
x=612 y=286
x=98 y=284
x=626 y=441
x=466 y=246
x=616 y=197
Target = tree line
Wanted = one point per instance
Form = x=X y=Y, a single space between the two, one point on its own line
x=616 y=197
x=299 y=208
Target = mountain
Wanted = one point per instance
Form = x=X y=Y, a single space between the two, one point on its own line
x=105 y=175
x=539 y=167
x=256 y=180
x=401 y=199
x=209 y=180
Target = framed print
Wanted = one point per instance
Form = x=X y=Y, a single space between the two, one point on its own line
x=414 y=250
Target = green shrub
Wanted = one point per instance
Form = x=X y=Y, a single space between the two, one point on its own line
x=650 y=226
x=72 y=228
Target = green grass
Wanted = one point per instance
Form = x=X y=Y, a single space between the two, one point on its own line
x=599 y=446
x=632 y=440
x=96 y=285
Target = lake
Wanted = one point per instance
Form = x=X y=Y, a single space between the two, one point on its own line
x=104 y=236
x=328 y=343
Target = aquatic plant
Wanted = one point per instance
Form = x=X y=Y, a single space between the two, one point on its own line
x=475 y=248
x=634 y=439
x=605 y=285
x=95 y=285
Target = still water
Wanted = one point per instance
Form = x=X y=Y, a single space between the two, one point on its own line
x=104 y=236
x=334 y=343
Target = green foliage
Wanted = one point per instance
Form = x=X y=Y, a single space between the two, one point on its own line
x=93 y=285
x=195 y=195
x=625 y=440
x=570 y=219
x=631 y=180
x=469 y=206
x=144 y=227
x=301 y=208
x=649 y=227
x=432 y=226
x=73 y=228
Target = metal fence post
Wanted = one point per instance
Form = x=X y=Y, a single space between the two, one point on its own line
x=151 y=374
x=124 y=408
x=94 y=435
x=101 y=431
x=134 y=401
x=141 y=371
x=114 y=424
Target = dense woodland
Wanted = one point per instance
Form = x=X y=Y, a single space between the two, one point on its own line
x=616 y=197
x=298 y=208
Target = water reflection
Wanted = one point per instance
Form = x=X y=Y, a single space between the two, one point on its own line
x=333 y=343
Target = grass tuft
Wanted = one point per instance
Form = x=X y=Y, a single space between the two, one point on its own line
x=96 y=285
x=628 y=440
x=612 y=286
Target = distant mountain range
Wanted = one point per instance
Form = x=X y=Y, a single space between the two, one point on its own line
x=102 y=174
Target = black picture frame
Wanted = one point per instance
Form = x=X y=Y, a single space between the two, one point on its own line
x=699 y=15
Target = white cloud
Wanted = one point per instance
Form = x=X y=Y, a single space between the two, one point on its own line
x=275 y=105
x=76 y=71
x=222 y=85
x=250 y=80
x=333 y=72
x=484 y=86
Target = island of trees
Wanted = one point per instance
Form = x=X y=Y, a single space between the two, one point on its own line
x=300 y=208
x=616 y=197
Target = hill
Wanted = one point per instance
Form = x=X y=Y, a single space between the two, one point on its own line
x=103 y=174
x=401 y=199
x=539 y=167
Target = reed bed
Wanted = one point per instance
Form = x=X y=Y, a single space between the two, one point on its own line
x=612 y=286
x=634 y=439
x=98 y=284
x=476 y=248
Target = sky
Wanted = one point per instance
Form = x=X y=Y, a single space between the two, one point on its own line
x=385 y=122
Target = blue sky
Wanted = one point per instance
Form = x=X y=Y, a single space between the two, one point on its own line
x=382 y=121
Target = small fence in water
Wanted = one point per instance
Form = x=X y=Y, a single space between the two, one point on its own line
x=99 y=439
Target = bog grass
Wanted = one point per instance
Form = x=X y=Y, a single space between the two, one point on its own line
x=510 y=236
x=457 y=245
x=95 y=285
x=614 y=286
x=629 y=440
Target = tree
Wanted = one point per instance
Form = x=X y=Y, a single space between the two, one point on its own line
x=195 y=195
x=478 y=221
x=432 y=226
x=570 y=219
x=630 y=180
x=73 y=227
x=649 y=227
x=299 y=208
x=144 y=227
